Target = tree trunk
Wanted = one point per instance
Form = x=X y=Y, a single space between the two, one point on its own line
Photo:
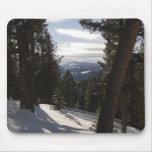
x=28 y=95
x=117 y=74
x=132 y=100
x=124 y=112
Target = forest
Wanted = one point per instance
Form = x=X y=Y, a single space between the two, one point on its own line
x=115 y=94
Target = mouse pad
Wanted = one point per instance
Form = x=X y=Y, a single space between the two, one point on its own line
x=75 y=76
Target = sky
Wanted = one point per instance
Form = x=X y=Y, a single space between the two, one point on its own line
x=74 y=42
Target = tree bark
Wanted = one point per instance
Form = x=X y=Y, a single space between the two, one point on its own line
x=28 y=95
x=117 y=74
x=124 y=112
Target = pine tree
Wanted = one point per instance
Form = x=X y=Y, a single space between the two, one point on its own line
x=92 y=96
x=13 y=89
x=136 y=81
x=58 y=99
x=116 y=77
x=24 y=32
x=31 y=50
x=69 y=89
x=47 y=75
x=124 y=33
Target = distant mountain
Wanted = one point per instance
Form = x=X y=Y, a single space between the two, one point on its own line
x=81 y=70
x=75 y=64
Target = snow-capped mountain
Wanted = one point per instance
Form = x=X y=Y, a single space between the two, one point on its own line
x=81 y=70
x=76 y=64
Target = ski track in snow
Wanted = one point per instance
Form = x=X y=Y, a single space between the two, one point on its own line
x=48 y=120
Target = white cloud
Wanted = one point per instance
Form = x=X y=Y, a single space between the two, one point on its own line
x=76 y=51
x=74 y=48
x=55 y=20
x=79 y=34
x=82 y=59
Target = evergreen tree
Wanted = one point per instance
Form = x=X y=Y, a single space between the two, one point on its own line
x=132 y=94
x=69 y=89
x=24 y=33
x=81 y=88
x=117 y=75
x=13 y=89
x=47 y=75
x=92 y=96
x=31 y=50
x=58 y=99
x=136 y=88
x=129 y=29
x=81 y=102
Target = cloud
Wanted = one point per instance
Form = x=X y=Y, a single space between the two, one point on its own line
x=74 y=48
x=78 y=51
x=78 y=34
x=55 y=20
x=82 y=59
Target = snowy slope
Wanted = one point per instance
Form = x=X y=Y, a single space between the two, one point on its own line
x=48 y=120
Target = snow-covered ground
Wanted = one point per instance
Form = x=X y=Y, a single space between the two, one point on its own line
x=48 y=120
x=117 y=128
x=85 y=72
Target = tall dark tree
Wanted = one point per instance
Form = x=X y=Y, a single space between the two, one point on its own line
x=25 y=39
x=117 y=75
x=123 y=36
x=81 y=88
x=58 y=99
x=47 y=74
x=136 y=88
x=12 y=64
x=81 y=102
x=31 y=49
x=130 y=107
x=69 y=89
x=92 y=96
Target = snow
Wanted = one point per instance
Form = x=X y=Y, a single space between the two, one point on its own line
x=48 y=120
x=129 y=129
x=84 y=72
x=72 y=64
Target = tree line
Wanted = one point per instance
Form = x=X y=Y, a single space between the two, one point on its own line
x=33 y=68
x=121 y=36
x=118 y=92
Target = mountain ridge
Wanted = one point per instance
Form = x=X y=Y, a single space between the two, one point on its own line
x=81 y=70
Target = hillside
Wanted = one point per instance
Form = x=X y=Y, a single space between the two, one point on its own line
x=48 y=120
x=81 y=70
